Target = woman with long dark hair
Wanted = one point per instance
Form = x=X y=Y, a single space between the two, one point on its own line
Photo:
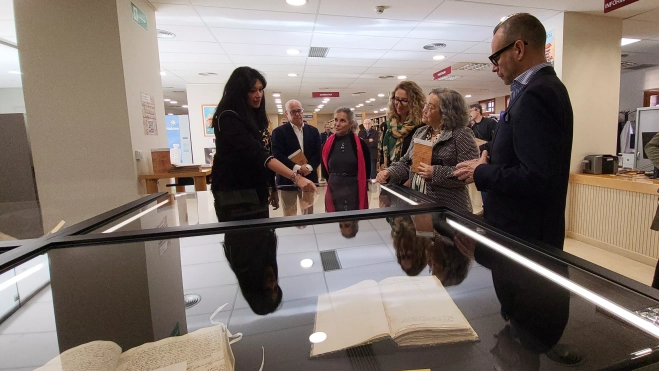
x=243 y=167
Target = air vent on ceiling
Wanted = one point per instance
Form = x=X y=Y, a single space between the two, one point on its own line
x=178 y=91
x=164 y=34
x=449 y=78
x=318 y=52
x=386 y=77
x=475 y=67
x=358 y=93
x=635 y=66
x=191 y=300
x=434 y=46
x=207 y=74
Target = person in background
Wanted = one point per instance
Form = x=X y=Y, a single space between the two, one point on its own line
x=483 y=127
x=445 y=114
x=325 y=134
x=652 y=151
x=526 y=174
x=286 y=140
x=346 y=165
x=243 y=166
x=371 y=137
x=283 y=121
x=404 y=117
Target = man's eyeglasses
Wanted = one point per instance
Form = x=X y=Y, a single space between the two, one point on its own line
x=404 y=102
x=494 y=58
x=296 y=112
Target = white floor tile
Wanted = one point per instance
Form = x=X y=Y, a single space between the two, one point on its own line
x=34 y=317
x=289 y=264
x=385 y=234
x=212 y=298
x=200 y=254
x=207 y=275
x=28 y=350
x=334 y=240
x=45 y=295
x=202 y=240
x=380 y=223
x=364 y=225
x=294 y=288
x=291 y=314
x=295 y=231
x=360 y=256
x=296 y=244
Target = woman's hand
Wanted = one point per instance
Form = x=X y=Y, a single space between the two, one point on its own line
x=382 y=176
x=425 y=171
x=306 y=185
x=274 y=199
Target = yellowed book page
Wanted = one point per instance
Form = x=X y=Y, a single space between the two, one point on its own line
x=419 y=302
x=94 y=356
x=350 y=317
x=205 y=349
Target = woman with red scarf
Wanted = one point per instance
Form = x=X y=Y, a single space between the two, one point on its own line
x=346 y=165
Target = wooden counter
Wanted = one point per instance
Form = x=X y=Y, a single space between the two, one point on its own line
x=614 y=213
x=199 y=177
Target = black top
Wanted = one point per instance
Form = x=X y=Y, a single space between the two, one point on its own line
x=353 y=145
x=285 y=142
x=241 y=155
x=484 y=130
x=528 y=173
x=372 y=145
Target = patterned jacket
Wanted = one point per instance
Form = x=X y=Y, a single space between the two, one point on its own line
x=452 y=148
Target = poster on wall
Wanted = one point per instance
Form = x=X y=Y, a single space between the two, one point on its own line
x=173 y=127
x=149 y=115
x=550 y=48
x=207 y=112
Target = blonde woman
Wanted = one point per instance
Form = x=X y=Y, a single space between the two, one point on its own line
x=404 y=118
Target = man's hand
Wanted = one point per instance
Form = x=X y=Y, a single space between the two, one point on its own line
x=382 y=177
x=274 y=199
x=425 y=171
x=304 y=170
x=465 y=170
x=370 y=140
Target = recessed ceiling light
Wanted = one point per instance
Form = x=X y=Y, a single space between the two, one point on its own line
x=468 y=96
x=277 y=101
x=293 y=52
x=625 y=41
x=352 y=109
x=317 y=337
x=184 y=106
x=316 y=110
x=372 y=99
x=402 y=77
x=172 y=102
x=276 y=95
x=368 y=101
x=163 y=73
x=381 y=95
x=279 y=106
x=166 y=99
x=306 y=263
x=296 y=2
x=439 y=57
x=321 y=105
x=292 y=74
x=375 y=111
x=15 y=72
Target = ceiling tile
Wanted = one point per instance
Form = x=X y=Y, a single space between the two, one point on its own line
x=413 y=56
x=470 y=57
x=264 y=50
x=158 y=2
x=480 y=48
x=468 y=13
x=329 y=75
x=355 y=42
x=415 y=10
x=196 y=67
x=410 y=64
x=273 y=69
x=363 y=26
x=395 y=71
x=650 y=16
x=190 y=33
x=253 y=60
x=595 y=7
x=640 y=29
x=193 y=58
x=643 y=46
x=256 y=19
x=334 y=69
x=641 y=58
x=446 y=31
x=169 y=46
x=177 y=15
x=341 y=62
x=195 y=78
x=418 y=44
x=270 y=5
x=356 y=53
x=256 y=37
x=6 y=9
x=7 y=28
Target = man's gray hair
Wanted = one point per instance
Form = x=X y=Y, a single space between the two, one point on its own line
x=367 y=120
x=288 y=104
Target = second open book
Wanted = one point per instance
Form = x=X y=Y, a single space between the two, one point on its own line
x=409 y=310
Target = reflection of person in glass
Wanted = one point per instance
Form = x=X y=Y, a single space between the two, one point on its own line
x=346 y=165
x=410 y=248
x=253 y=258
x=445 y=259
x=243 y=166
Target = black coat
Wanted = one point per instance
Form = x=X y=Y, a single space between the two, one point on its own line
x=240 y=157
x=365 y=152
x=284 y=143
x=527 y=177
x=372 y=146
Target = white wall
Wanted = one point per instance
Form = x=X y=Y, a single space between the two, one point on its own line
x=199 y=94
x=11 y=100
x=556 y=24
x=633 y=84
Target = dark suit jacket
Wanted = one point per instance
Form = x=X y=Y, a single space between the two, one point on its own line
x=372 y=146
x=527 y=177
x=284 y=143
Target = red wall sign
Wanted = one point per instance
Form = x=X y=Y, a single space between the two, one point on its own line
x=325 y=94
x=442 y=73
x=611 y=5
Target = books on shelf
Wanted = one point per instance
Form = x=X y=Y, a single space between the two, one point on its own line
x=413 y=311
x=204 y=349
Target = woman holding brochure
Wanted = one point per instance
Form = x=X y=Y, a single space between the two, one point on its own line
x=436 y=149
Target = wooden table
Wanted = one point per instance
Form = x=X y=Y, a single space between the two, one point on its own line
x=200 y=180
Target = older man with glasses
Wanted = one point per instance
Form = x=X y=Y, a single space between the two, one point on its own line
x=292 y=137
x=526 y=171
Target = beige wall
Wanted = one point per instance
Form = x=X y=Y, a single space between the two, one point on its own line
x=139 y=49
x=633 y=84
x=591 y=70
x=75 y=98
x=499 y=105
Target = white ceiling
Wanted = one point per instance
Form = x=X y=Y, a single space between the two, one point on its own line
x=220 y=35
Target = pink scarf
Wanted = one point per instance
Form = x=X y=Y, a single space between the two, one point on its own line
x=361 y=175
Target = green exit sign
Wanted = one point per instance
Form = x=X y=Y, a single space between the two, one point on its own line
x=139 y=17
